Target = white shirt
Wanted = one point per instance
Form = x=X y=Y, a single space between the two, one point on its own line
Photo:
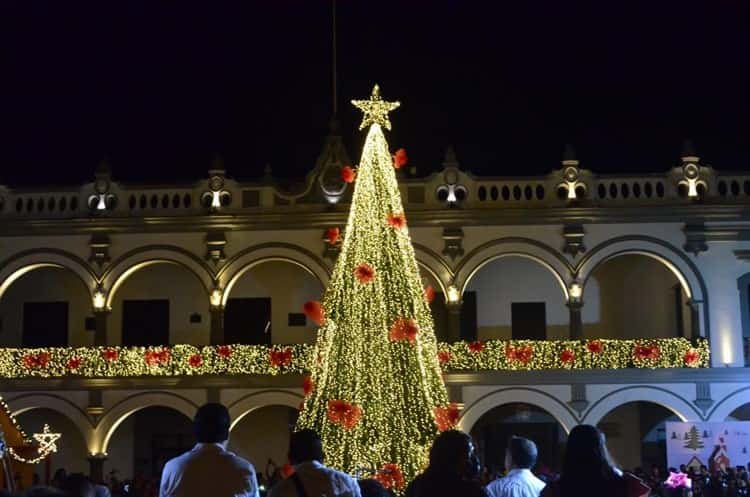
x=208 y=470
x=318 y=481
x=517 y=483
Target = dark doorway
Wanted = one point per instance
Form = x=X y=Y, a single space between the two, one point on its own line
x=528 y=320
x=440 y=316
x=145 y=322
x=45 y=324
x=248 y=321
x=469 y=317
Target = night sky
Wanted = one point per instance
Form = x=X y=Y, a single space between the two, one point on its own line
x=159 y=87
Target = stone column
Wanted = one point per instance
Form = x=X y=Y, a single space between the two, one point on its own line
x=100 y=334
x=576 y=322
x=96 y=467
x=695 y=316
x=217 y=324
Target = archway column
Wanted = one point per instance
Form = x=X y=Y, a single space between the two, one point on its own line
x=101 y=318
x=454 y=321
x=96 y=467
x=217 y=324
x=576 y=321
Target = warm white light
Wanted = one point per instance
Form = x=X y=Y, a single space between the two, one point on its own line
x=454 y=296
x=100 y=299
x=216 y=296
x=692 y=187
x=571 y=190
x=101 y=205
x=215 y=200
x=452 y=195
x=575 y=291
x=727 y=355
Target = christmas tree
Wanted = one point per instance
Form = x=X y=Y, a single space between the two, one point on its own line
x=375 y=394
x=693 y=439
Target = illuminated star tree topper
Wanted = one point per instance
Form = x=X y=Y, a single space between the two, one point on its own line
x=375 y=109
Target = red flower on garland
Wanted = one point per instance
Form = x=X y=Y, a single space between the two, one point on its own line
x=444 y=356
x=154 y=357
x=404 y=329
x=287 y=470
x=446 y=418
x=567 y=356
x=314 y=311
x=332 y=235
x=397 y=221
x=195 y=360
x=595 y=346
x=36 y=361
x=475 y=347
x=364 y=273
x=74 y=363
x=280 y=358
x=348 y=175
x=110 y=355
x=343 y=413
x=151 y=357
x=390 y=476
x=308 y=385
x=429 y=294
x=400 y=159
x=691 y=357
x=646 y=352
x=224 y=351
x=521 y=354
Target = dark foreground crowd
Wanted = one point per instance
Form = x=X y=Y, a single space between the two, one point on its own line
x=209 y=470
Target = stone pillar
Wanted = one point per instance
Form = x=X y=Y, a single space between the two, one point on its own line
x=454 y=321
x=576 y=322
x=96 y=467
x=100 y=334
x=695 y=316
x=217 y=325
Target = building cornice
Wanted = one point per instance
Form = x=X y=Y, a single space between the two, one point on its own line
x=293 y=219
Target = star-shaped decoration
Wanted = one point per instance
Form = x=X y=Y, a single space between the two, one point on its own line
x=47 y=440
x=376 y=109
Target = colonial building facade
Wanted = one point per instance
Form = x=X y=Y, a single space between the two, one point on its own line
x=569 y=255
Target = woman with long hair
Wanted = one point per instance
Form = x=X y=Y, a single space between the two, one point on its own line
x=588 y=470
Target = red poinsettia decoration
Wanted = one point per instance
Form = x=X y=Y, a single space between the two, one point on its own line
x=154 y=357
x=314 y=311
x=397 y=220
x=224 y=351
x=404 y=329
x=429 y=294
x=36 y=361
x=475 y=347
x=595 y=346
x=567 y=356
x=400 y=159
x=308 y=385
x=332 y=235
x=74 y=363
x=287 y=470
x=195 y=360
x=280 y=358
x=646 y=352
x=110 y=355
x=348 y=175
x=444 y=356
x=390 y=476
x=364 y=273
x=691 y=357
x=343 y=413
x=446 y=417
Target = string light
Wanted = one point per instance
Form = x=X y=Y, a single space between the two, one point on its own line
x=47 y=445
x=374 y=398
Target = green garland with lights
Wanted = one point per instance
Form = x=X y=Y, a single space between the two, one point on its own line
x=492 y=355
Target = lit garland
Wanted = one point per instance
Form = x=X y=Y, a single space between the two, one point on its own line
x=47 y=445
x=492 y=355
x=379 y=380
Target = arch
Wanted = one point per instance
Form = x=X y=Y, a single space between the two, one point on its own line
x=729 y=404
x=12 y=268
x=247 y=404
x=118 y=412
x=140 y=258
x=543 y=254
x=685 y=270
x=246 y=259
x=682 y=408
x=434 y=264
x=443 y=287
x=28 y=402
x=538 y=398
